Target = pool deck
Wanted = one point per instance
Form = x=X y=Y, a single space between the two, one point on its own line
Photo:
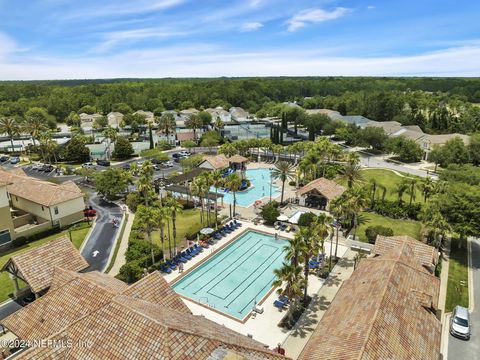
x=262 y=327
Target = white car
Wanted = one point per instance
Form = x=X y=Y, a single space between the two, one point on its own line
x=184 y=153
x=167 y=164
x=88 y=165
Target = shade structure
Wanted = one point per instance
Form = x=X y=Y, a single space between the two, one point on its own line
x=206 y=231
x=282 y=218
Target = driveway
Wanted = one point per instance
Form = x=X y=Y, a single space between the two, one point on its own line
x=101 y=240
x=460 y=349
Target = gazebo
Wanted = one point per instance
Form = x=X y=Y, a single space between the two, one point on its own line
x=238 y=163
x=319 y=192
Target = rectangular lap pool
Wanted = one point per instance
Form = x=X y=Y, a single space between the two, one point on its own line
x=237 y=277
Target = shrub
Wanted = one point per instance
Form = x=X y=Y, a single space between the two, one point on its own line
x=164 y=145
x=306 y=219
x=132 y=201
x=138 y=249
x=292 y=183
x=395 y=210
x=371 y=232
x=270 y=212
x=123 y=149
x=130 y=272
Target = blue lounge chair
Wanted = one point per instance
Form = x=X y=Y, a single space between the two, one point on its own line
x=165 y=269
x=217 y=236
x=180 y=258
x=279 y=304
x=171 y=264
x=200 y=249
x=284 y=299
x=186 y=255
x=238 y=223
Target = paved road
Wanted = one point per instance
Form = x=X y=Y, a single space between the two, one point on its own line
x=378 y=162
x=9 y=307
x=470 y=350
x=100 y=243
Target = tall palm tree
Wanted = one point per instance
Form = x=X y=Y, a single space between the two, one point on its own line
x=290 y=282
x=217 y=182
x=174 y=207
x=427 y=186
x=34 y=125
x=111 y=134
x=310 y=245
x=162 y=215
x=375 y=187
x=294 y=248
x=166 y=123
x=194 y=123
x=146 y=219
x=283 y=171
x=352 y=158
x=352 y=174
x=233 y=183
x=198 y=189
x=10 y=126
x=400 y=189
x=411 y=189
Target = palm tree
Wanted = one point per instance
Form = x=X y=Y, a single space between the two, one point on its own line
x=352 y=174
x=283 y=171
x=411 y=189
x=219 y=123
x=34 y=125
x=217 y=182
x=427 y=186
x=146 y=219
x=11 y=127
x=352 y=158
x=166 y=123
x=375 y=186
x=162 y=216
x=198 y=189
x=293 y=249
x=144 y=183
x=290 y=282
x=310 y=245
x=111 y=134
x=321 y=227
x=174 y=207
x=233 y=183
x=400 y=189
x=194 y=123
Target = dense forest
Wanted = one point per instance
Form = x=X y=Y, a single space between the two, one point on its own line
x=437 y=105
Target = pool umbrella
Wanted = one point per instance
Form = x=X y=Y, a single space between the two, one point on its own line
x=206 y=231
x=282 y=218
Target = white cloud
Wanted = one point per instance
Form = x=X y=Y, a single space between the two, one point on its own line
x=113 y=39
x=371 y=7
x=251 y=26
x=7 y=45
x=203 y=60
x=304 y=17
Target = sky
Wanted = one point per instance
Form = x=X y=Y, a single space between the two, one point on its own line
x=72 y=39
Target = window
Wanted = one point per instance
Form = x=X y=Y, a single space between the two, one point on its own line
x=42 y=208
x=55 y=210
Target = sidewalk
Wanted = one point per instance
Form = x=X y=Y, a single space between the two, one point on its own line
x=442 y=297
x=302 y=332
x=120 y=259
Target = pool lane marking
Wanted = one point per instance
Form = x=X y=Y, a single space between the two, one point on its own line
x=247 y=275
x=201 y=271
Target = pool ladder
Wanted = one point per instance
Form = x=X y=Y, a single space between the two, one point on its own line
x=206 y=303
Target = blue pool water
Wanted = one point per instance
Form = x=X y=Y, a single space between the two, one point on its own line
x=260 y=189
x=237 y=277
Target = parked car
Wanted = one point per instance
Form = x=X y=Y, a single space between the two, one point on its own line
x=167 y=164
x=37 y=166
x=460 y=323
x=126 y=166
x=176 y=155
x=47 y=168
x=156 y=167
x=88 y=165
x=140 y=163
x=103 y=162
x=4 y=158
x=184 y=153
x=14 y=160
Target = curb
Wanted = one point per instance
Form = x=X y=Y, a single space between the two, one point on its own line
x=114 y=245
x=94 y=223
x=471 y=300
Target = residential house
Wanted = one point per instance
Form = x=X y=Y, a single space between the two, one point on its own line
x=386 y=310
x=319 y=192
x=219 y=113
x=36 y=267
x=390 y=127
x=36 y=205
x=238 y=114
x=149 y=116
x=146 y=320
x=332 y=114
x=185 y=114
x=115 y=119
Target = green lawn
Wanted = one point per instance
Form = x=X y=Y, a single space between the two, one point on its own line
x=457 y=287
x=6 y=286
x=400 y=227
x=188 y=221
x=390 y=180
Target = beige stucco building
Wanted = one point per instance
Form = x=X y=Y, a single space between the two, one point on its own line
x=29 y=206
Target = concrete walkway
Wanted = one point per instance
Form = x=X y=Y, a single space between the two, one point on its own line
x=120 y=259
x=302 y=332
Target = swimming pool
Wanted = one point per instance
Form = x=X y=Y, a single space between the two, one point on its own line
x=237 y=277
x=260 y=179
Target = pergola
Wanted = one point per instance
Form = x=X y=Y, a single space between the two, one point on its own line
x=319 y=192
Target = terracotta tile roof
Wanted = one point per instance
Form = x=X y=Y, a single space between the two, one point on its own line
x=327 y=188
x=217 y=161
x=125 y=326
x=153 y=288
x=237 y=159
x=184 y=136
x=37 y=191
x=37 y=266
x=384 y=311
x=426 y=254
